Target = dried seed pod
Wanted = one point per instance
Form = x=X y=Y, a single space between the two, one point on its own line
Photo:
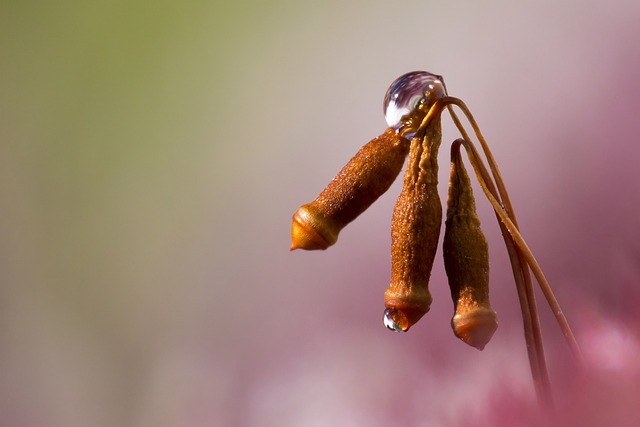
x=360 y=182
x=415 y=230
x=466 y=261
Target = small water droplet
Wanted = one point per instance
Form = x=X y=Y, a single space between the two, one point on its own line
x=389 y=322
x=417 y=89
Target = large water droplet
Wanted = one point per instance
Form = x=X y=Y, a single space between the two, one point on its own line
x=413 y=91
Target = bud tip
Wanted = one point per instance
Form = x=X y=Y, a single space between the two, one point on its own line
x=304 y=234
x=475 y=327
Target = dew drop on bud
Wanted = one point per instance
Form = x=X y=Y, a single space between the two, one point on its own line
x=407 y=92
x=390 y=318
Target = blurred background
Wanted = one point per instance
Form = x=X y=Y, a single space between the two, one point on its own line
x=151 y=157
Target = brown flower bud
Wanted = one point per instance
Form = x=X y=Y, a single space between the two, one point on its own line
x=415 y=230
x=466 y=261
x=360 y=182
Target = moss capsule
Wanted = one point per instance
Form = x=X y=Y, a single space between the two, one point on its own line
x=415 y=230
x=466 y=261
x=360 y=182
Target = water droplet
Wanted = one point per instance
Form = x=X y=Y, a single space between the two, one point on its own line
x=389 y=322
x=412 y=93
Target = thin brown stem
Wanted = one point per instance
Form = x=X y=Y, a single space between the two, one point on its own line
x=507 y=207
x=493 y=165
x=524 y=249
x=520 y=268
x=537 y=271
x=520 y=255
x=533 y=340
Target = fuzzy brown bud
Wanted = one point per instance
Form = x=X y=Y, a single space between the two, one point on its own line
x=360 y=182
x=415 y=230
x=466 y=261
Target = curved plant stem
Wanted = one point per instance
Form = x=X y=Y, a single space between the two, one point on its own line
x=533 y=337
x=521 y=274
x=533 y=340
x=506 y=204
x=531 y=260
x=520 y=255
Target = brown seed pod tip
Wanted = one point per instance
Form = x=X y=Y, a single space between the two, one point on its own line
x=399 y=316
x=475 y=327
x=309 y=231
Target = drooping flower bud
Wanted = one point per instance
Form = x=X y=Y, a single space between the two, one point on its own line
x=466 y=261
x=415 y=230
x=360 y=182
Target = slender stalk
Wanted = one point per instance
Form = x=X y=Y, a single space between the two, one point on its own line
x=522 y=278
x=537 y=362
x=519 y=265
x=532 y=332
x=526 y=252
x=520 y=255
x=535 y=267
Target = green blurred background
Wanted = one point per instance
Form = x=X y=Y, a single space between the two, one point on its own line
x=151 y=156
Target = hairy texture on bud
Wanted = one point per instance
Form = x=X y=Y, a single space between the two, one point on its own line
x=415 y=230
x=466 y=261
x=360 y=182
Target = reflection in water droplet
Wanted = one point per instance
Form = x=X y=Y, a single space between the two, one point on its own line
x=417 y=89
x=389 y=322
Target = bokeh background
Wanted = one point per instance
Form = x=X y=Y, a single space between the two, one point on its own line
x=151 y=157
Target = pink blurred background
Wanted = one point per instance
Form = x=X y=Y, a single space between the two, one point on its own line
x=151 y=157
